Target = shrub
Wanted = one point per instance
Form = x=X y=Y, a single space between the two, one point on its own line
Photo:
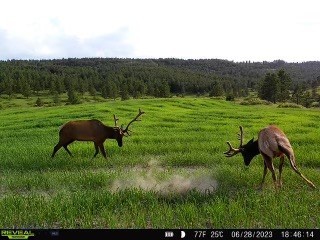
x=255 y=101
x=289 y=105
x=315 y=104
x=73 y=97
x=39 y=102
x=230 y=97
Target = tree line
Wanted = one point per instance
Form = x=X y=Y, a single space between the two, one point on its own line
x=278 y=87
x=125 y=78
x=111 y=78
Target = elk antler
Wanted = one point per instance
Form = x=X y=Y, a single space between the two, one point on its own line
x=240 y=136
x=115 y=120
x=233 y=151
x=135 y=119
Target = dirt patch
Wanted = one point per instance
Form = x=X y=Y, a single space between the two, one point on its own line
x=147 y=178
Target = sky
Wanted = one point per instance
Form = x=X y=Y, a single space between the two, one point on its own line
x=235 y=30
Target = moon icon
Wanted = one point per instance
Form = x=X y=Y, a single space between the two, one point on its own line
x=183 y=234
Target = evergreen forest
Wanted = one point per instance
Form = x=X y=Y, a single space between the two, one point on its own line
x=112 y=78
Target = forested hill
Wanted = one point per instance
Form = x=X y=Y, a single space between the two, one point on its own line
x=138 y=77
x=305 y=71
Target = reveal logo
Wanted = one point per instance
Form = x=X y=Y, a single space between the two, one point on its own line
x=17 y=234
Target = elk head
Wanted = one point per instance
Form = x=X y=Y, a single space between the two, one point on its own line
x=120 y=132
x=248 y=151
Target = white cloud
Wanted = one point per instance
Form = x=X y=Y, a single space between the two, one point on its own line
x=64 y=46
x=228 y=29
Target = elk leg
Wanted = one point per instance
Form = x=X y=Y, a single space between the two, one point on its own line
x=292 y=161
x=97 y=150
x=268 y=162
x=265 y=170
x=294 y=167
x=65 y=146
x=280 y=170
x=101 y=147
x=56 y=148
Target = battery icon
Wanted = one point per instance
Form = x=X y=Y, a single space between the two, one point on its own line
x=168 y=234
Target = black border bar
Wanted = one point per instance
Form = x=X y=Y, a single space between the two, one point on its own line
x=158 y=234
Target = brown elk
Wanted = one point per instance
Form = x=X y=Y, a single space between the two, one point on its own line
x=92 y=130
x=271 y=143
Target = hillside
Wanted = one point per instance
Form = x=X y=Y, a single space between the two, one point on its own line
x=112 y=77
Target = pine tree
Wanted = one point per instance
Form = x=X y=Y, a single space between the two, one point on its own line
x=52 y=87
x=36 y=86
x=39 y=102
x=216 y=90
x=297 y=93
x=104 y=91
x=92 y=90
x=8 y=86
x=269 y=89
x=124 y=92
x=150 y=89
x=60 y=88
x=113 y=90
x=56 y=98
x=26 y=90
x=73 y=97
x=164 y=90
x=284 y=85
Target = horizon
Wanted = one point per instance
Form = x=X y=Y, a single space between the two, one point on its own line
x=190 y=59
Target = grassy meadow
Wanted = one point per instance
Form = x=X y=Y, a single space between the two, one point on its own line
x=171 y=173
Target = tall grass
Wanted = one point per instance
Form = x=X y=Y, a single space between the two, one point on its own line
x=170 y=173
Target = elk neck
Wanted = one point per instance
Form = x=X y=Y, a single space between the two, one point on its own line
x=255 y=148
x=249 y=151
x=109 y=132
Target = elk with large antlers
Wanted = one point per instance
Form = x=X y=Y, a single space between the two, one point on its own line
x=271 y=143
x=92 y=130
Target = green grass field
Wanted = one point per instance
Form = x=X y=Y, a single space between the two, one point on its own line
x=171 y=173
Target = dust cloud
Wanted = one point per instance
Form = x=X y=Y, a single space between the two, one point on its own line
x=151 y=178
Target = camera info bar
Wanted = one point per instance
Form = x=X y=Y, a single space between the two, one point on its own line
x=159 y=234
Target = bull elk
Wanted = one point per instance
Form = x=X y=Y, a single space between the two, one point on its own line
x=271 y=143
x=94 y=131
